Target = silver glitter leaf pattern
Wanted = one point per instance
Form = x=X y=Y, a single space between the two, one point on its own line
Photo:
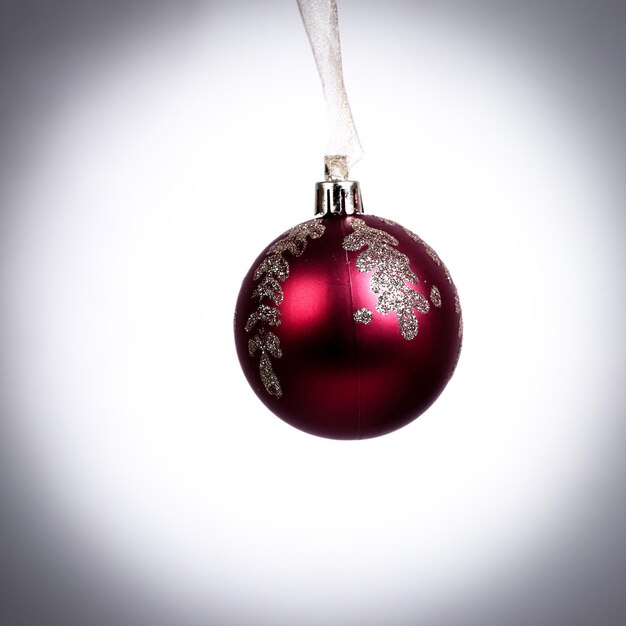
x=264 y=313
x=268 y=376
x=271 y=273
x=270 y=288
x=430 y=252
x=392 y=272
x=363 y=316
x=389 y=222
x=265 y=341
x=268 y=344
x=435 y=296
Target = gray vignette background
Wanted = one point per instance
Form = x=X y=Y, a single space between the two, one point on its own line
x=44 y=581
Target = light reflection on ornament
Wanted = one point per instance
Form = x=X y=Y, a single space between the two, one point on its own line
x=306 y=299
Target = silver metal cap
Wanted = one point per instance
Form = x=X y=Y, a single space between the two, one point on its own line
x=338 y=198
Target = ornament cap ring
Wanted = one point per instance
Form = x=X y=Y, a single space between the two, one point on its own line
x=338 y=198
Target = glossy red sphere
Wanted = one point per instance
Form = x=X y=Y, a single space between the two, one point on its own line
x=348 y=327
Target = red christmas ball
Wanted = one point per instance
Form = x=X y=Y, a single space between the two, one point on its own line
x=348 y=327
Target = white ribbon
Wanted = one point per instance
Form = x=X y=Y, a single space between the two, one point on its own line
x=322 y=27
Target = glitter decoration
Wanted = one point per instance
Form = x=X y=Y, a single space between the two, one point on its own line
x=264 y=313
x=268 y=344
x=391 y=274
x=435 y=296
x=363 y=316
x=429 y=251
x=457 y=303
x=389 y=222
x=271 y=273
x=413 y=235
x=461 y=328
x=274 y=269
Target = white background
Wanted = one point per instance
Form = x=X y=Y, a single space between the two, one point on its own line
x=158 y=164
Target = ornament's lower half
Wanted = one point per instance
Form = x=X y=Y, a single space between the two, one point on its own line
x=348 y=327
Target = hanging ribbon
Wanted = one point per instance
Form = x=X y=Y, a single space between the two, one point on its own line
x=321 y=23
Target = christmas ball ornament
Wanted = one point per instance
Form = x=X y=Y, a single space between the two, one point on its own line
x=348 y=325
